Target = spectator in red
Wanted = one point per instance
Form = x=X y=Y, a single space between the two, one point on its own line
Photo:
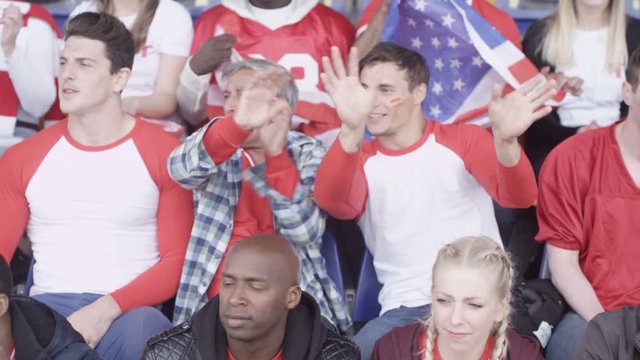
x=588 y=215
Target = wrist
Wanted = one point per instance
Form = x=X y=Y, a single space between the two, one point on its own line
x=110 y=307
x=351 y=138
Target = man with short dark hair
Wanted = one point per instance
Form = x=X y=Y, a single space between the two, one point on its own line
x=260 y=313
x=250 y=176
x=107 y=224
x=588 y=216
x=419 y=183
x=30 y=330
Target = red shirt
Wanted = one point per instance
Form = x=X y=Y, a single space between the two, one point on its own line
x=590 y=203
x=277 y=357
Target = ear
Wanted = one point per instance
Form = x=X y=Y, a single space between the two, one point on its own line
x=419 y=93
x=293 y=297
x=627 y=93
x=4 y=304
x=120 y=79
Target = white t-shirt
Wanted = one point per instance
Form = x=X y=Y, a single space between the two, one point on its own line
x=170 y=32
x=602 y=89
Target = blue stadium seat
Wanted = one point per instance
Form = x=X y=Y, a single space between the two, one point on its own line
x=331 y=257
x=366 y=306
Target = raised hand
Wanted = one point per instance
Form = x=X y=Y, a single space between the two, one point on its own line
x=259 y=101
x=512 y=115
x=273 y=135
x=213 y=53
x=353 y=102
x=12 y=23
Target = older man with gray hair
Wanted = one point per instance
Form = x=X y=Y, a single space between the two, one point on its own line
x=251 y=175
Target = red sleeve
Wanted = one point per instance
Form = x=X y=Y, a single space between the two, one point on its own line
x=282 y=174
x=560 y=205
x=17 y=166
x=175 y=219
x=14 y=211
x=341 y=185
x=223 y=138
x=513 y=186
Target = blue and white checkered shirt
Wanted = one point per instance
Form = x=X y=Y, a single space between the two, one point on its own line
x=216 y=190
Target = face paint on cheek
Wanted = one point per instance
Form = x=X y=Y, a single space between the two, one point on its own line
x=395 y=102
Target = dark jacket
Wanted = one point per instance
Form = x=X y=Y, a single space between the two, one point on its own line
x=403 y=344
x=546 y=133
x=204 y=338
x=40 y=333
x=613 y=335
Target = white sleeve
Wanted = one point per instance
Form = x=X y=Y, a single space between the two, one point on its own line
x=178 y=29
x=33 y=67
x=192 y=94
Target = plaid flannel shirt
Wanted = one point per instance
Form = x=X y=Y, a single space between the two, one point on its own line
x=216 y=190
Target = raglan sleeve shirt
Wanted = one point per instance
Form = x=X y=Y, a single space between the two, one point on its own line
x=511 y=186
x=174 y=223
x=341 y=185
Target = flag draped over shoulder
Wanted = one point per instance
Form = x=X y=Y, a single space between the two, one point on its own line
x=466 y=56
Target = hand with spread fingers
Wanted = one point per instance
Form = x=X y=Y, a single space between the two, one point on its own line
x=11 y=22
x=512 y=115
x=353 y=102
x=260 y=102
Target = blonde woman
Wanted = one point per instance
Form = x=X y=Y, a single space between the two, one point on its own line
x=472 y=280
x=585 y=46
x=162 y=32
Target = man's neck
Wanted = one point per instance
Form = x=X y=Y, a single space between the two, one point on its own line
x=100 y=127
x=407 y=136
x=6 y=336
x=628 y=136
x=270 y=4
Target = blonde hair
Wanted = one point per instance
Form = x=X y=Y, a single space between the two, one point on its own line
x=478 y=252
x=140 y=28
x=557 y=49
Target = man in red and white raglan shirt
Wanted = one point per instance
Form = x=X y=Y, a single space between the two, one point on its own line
x=108 y=226
x=419 y=184
x=293 y=33
x=28 y=64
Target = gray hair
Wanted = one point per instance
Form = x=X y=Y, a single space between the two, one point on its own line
x=289 y=92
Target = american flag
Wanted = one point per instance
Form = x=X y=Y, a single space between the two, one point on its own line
x=465 y=55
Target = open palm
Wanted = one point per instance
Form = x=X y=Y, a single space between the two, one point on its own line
x=512 y=115
x=353 y=101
